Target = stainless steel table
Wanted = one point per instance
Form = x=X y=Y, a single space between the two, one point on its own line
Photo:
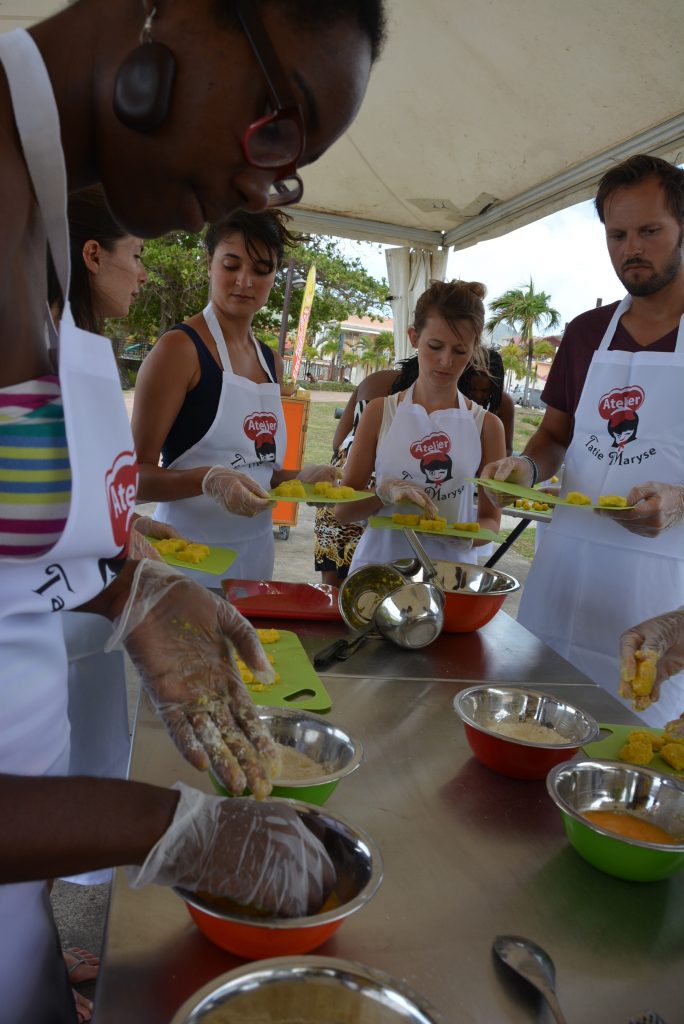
x=501 y=651
x=468 y=854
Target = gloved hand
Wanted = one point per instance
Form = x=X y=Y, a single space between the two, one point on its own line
x=661 y=639
x=312 y=474
x=517 y=470
x=392 y=492
x=258 y=854
x=144 y=527
x=657 y=507
x=236 y=492
x=177 y=634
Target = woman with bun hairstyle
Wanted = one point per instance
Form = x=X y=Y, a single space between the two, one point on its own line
x=424 y=442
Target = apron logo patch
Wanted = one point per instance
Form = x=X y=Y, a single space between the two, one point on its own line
x=432 y=453
x=121 y=482
x=619 y=408
x=262 y=427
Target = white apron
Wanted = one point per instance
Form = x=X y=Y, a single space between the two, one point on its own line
x=435 y=451
x=248 y=434
x=33 y=686
x=592 y=579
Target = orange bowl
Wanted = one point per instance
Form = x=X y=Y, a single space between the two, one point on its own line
x=359 y=872
x=473 y=594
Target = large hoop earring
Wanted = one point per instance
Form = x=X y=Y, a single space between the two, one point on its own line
x=144 y=83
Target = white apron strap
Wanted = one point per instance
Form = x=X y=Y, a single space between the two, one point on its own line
x=214 y=326
x=612 y=327
x=37 y=119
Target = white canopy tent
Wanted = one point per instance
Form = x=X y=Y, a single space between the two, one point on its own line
x=484 y=115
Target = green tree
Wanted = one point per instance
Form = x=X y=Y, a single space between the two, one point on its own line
x=328 y=344
x=177 y=288
x=542 y=350
x=343 y=288
x=513 y=360
x=524 y=309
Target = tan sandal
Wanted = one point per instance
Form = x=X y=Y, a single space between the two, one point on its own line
x=81 y=965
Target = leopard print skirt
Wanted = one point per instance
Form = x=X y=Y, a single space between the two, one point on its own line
x=335 y=542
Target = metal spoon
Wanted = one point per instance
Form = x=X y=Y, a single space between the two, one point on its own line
x=533 y=964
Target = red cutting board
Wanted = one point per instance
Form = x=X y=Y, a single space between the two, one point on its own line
x=271 y=599
x=299 y=685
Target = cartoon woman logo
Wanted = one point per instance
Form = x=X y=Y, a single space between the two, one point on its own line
x=619 y=408
x=622 y=427
x=437 y=468
x=434 y=459
x=262 y=427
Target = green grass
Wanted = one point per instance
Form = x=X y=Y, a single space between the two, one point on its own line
x=524 y=545
x=322 y=423
x=526 y=423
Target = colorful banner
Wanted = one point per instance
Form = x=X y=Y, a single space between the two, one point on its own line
x=307 y=302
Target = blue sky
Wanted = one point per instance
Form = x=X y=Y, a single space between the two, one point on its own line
x=564 y=254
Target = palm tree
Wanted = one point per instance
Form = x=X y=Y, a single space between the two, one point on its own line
x=523 y=309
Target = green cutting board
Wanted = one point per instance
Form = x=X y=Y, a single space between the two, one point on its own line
x=531 y=493
x=608 y=749
x=299 y=685
x=218 y=561
x=385 y=523
x=320 y=499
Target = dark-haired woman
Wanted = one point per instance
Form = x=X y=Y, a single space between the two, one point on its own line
x=86 y=93
x=208 y=400
x=485 y=385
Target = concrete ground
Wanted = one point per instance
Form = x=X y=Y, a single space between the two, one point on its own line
x=80 y=911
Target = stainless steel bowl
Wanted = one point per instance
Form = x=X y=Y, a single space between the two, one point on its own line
x=480 y=706
x=327 y=744
x=468 y=578
x=358 y=868
x=308 y=990
x=580 y=786
x=577 y=787
x=411 y=616
x=363 y=590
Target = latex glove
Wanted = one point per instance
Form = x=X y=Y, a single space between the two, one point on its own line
x=657 y=508
x=312 y=474
x=144 y=527
x=393 y=492
x=660 y=638
x=177 y=634
x=236 y=492
x=518 y=471
x=150 y=527
x=261 y=854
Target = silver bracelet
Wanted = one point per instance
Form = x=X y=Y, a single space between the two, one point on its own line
x=535 y=468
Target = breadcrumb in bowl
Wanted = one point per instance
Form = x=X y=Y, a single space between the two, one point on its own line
x=486 y=710
x=331 y=752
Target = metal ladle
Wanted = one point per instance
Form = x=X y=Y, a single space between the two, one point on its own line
x=533 y=964
x=411 y=616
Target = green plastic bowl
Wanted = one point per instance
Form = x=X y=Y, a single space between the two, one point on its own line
x=580 y=786
x=319 y=739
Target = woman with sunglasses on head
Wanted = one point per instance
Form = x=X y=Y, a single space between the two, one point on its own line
x=131 y=94
x=208 y=398
x=423 y=443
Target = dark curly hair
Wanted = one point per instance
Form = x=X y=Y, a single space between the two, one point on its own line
x=267 y=229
